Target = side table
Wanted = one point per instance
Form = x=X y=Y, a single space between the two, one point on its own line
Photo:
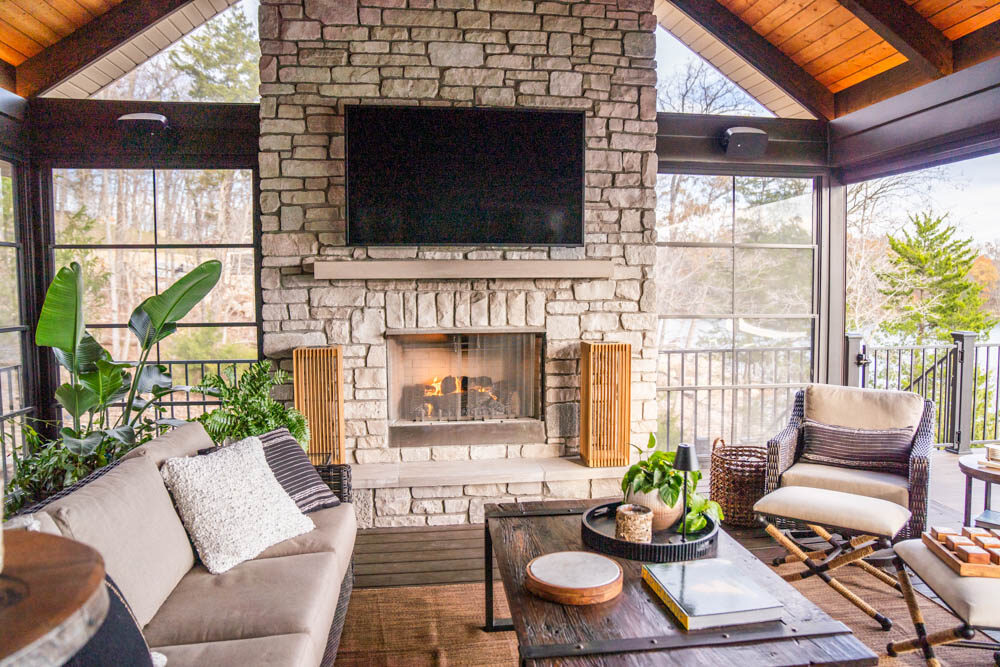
x=52 y=598
x=969 y=465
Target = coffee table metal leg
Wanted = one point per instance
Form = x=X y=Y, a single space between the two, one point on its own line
x=492 y=624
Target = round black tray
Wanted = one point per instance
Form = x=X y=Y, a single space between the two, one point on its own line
x=598 y=532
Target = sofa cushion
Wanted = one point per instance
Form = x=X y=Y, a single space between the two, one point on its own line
x=336 y=529
x=127 y=516
x=258 y=598
x=65 y=491
x=881 y=450
x=882 y=485
x=296 y=474
x=277 y=651
x=184 y=440
x=231 y=504
x=863 y=408
x=118 y=641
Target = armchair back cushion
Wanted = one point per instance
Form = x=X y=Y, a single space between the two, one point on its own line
x=863 y=408
x=880 y=450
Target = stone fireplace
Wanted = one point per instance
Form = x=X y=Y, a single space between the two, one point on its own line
x=319 y=56
x=468 y=386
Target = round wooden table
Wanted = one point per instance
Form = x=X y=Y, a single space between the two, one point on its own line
x=969 y=465
x=52 y=598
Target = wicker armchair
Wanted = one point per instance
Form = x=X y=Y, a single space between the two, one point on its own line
x=784 y=449
x=338 y=478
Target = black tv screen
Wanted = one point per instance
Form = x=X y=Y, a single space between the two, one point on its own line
x=435 y=176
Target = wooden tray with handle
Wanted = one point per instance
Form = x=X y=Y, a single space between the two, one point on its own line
x=962 y=568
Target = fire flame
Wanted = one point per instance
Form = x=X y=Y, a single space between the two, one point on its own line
x=433 y=388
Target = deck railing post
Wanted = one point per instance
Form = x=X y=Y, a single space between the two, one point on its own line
x=963 y=391
x=854 y=360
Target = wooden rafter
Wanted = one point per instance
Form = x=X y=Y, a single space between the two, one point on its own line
x=974 y=48
x=907 y=31
x=90 y=42
x=761 y=54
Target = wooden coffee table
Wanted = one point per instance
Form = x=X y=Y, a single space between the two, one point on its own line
x=636 y=628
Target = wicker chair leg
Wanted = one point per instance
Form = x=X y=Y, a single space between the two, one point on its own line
x=821 y=570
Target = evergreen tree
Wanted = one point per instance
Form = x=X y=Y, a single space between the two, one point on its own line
x=221 y=59
x=929 y=289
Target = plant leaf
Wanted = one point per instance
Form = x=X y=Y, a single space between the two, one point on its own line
x=124 y=434
x=60 y=324
x=84 y=446
x=177 y=300
x=669 y=494
x=652 y=442
x=83 y=359
x=153 y=377
x=106 y=380
x=76 y=399
x=141 y=325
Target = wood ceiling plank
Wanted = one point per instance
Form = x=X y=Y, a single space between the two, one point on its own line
x=43 y=12
x=960 y=11
x=827 y=33
x=779 y=16
x=758 y=11
x=18 y=41
x=974 y=23
x=761 y=54
x=98 y=7
x=907 y=31
x=736 y=6
x=74 y=12
x=843 y=53
x=30 y=25
x=928 y=8
x=9 y=55
x=865 y=58
x=876 y=68
x=801 y=21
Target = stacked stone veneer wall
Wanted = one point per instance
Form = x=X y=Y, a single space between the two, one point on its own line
x=592 y=55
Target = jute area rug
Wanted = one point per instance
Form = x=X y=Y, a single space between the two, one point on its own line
x=440 y=625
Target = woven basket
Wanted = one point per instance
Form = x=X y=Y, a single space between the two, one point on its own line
x=737 y=481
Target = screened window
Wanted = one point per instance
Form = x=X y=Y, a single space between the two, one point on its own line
x=137 y=231
x=13 y=331
x=735 y=266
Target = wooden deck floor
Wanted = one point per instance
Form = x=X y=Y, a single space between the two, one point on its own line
x=454 y=554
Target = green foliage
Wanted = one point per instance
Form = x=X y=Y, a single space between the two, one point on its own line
x=247 y=407
x=221 y=60
x=98 y=385
x=656 y=471
x=928 y=288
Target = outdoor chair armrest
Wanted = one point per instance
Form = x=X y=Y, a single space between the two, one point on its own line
x=338 y=477
x=920 y=473
x=781 y=454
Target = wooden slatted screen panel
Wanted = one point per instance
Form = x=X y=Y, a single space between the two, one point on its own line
x=319 y=395
x=605 y=403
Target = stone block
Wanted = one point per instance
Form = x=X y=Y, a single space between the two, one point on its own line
x=426 y=310
x=415 y=454
x=562 y=420
x=408 y=17
x=384 y=455
x=392 y=501
x=599 y=321
x=521 y=488
x=394 y=310
x=594 y=290
x=462 y=309
x=456 y=54
x=407 y=521
x=427 y=506
x=606 y=488
x=364 y=507
x=370 y=378
x=445 y=303
x=475 y=20
x=541 y=451
x=479 y=309
x=289 y=244
x=282 y=344
x=476 y=507
x=574 y=489
x=368 y=325
x=335 y=297
x=484 y=452
x=516 y=304
x=640 y=44
x=446 y=519
x=498 y=309
x=409 y=88
x=449 y=453
x=484 y=489
x=454 y=505
x=495 y=97
x=563 y=326
x=535 y=309
x=336 y=12
x=435 y=491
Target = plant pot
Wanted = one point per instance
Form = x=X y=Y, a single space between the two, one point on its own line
x=664 y=516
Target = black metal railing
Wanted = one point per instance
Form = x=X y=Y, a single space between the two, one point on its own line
x=741 y=395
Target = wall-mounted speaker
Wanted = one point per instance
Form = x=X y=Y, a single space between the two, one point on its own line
x=744 y=143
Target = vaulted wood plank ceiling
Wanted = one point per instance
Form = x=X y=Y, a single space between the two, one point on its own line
x=28 y=27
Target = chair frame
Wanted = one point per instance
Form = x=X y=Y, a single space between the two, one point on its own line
x=958 y=636
x=784 y=449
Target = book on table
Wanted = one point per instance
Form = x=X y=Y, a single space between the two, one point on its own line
x=710 y=593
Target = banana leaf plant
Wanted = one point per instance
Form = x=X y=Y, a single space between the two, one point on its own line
x=97 y=383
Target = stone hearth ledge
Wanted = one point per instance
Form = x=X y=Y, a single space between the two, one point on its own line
x=454 y=473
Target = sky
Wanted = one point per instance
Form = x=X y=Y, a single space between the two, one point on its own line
x=968 y=191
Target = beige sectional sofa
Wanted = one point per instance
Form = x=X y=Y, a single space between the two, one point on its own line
x=284 y=607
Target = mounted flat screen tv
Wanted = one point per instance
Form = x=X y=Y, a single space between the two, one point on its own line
x=435 y=176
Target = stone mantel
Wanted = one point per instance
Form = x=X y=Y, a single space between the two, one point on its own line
x=458 y=269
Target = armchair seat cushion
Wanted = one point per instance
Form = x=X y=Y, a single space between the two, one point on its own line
x=835 y=509
x=881 y=485
x=976 y=600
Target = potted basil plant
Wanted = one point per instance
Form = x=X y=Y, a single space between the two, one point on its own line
x=652 y=481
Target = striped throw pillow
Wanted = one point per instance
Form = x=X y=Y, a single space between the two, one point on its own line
x=880 y=450
x=291 y=467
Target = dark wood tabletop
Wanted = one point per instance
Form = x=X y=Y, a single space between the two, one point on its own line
x=52 y=598
x=636 y=619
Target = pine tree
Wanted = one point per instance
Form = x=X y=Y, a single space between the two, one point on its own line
x=929 y=289
x=221 y=59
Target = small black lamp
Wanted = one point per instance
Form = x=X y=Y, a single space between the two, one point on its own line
x=685 y=460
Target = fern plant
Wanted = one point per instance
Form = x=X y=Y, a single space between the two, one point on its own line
x=247 y=407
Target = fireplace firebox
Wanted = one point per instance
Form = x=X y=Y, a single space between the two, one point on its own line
x=461 y=387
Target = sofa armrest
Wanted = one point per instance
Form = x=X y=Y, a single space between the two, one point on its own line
x=338 y=477
x=781 y=454
x=920 y=472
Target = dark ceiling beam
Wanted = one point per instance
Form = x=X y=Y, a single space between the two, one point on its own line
x=972 y=49
x=92 y=41
x=907 y=31
x=761 y=54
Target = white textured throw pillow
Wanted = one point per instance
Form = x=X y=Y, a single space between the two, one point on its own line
x=231 y=504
